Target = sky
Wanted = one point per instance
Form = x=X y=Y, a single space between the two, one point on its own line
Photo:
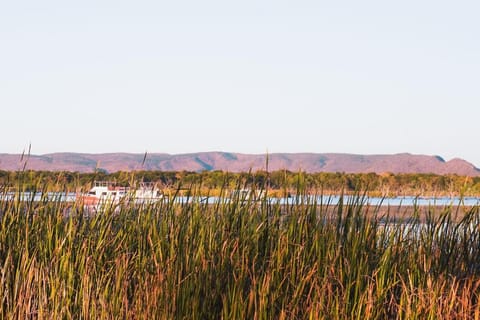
x=251 y=76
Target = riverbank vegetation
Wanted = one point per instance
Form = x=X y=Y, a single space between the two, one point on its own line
x=280 y=183
x=236 y=259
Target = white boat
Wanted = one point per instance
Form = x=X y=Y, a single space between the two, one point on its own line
x=107 y=192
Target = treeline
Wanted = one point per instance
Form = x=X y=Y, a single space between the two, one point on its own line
x=277 y=182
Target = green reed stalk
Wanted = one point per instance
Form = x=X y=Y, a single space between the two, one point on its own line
x=240 y=258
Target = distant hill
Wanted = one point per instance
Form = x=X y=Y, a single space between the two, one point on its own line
x=236 y=162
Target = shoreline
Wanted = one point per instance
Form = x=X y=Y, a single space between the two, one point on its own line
x=408 y=212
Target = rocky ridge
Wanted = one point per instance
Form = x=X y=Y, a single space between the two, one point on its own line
x=237 y=162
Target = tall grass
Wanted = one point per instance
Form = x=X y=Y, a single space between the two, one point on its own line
x=237 y=259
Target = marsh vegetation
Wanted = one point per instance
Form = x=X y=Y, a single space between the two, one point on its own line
x=279 y=182
x=235 y=259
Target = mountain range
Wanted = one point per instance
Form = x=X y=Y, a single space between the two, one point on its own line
x=237 y=162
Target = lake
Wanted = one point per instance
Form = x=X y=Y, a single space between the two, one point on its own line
x=326 y=199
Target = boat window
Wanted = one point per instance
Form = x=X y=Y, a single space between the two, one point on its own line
x=91 y=193
x=104 y=193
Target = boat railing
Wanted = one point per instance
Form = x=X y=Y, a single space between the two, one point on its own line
x=141 y=185
x=148 y=185
x=100 y=183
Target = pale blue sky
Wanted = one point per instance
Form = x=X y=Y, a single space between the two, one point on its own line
x=288 y=76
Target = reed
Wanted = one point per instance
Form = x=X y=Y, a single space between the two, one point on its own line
x=236 y=259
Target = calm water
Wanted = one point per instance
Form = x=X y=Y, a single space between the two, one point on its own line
x=332 y=200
